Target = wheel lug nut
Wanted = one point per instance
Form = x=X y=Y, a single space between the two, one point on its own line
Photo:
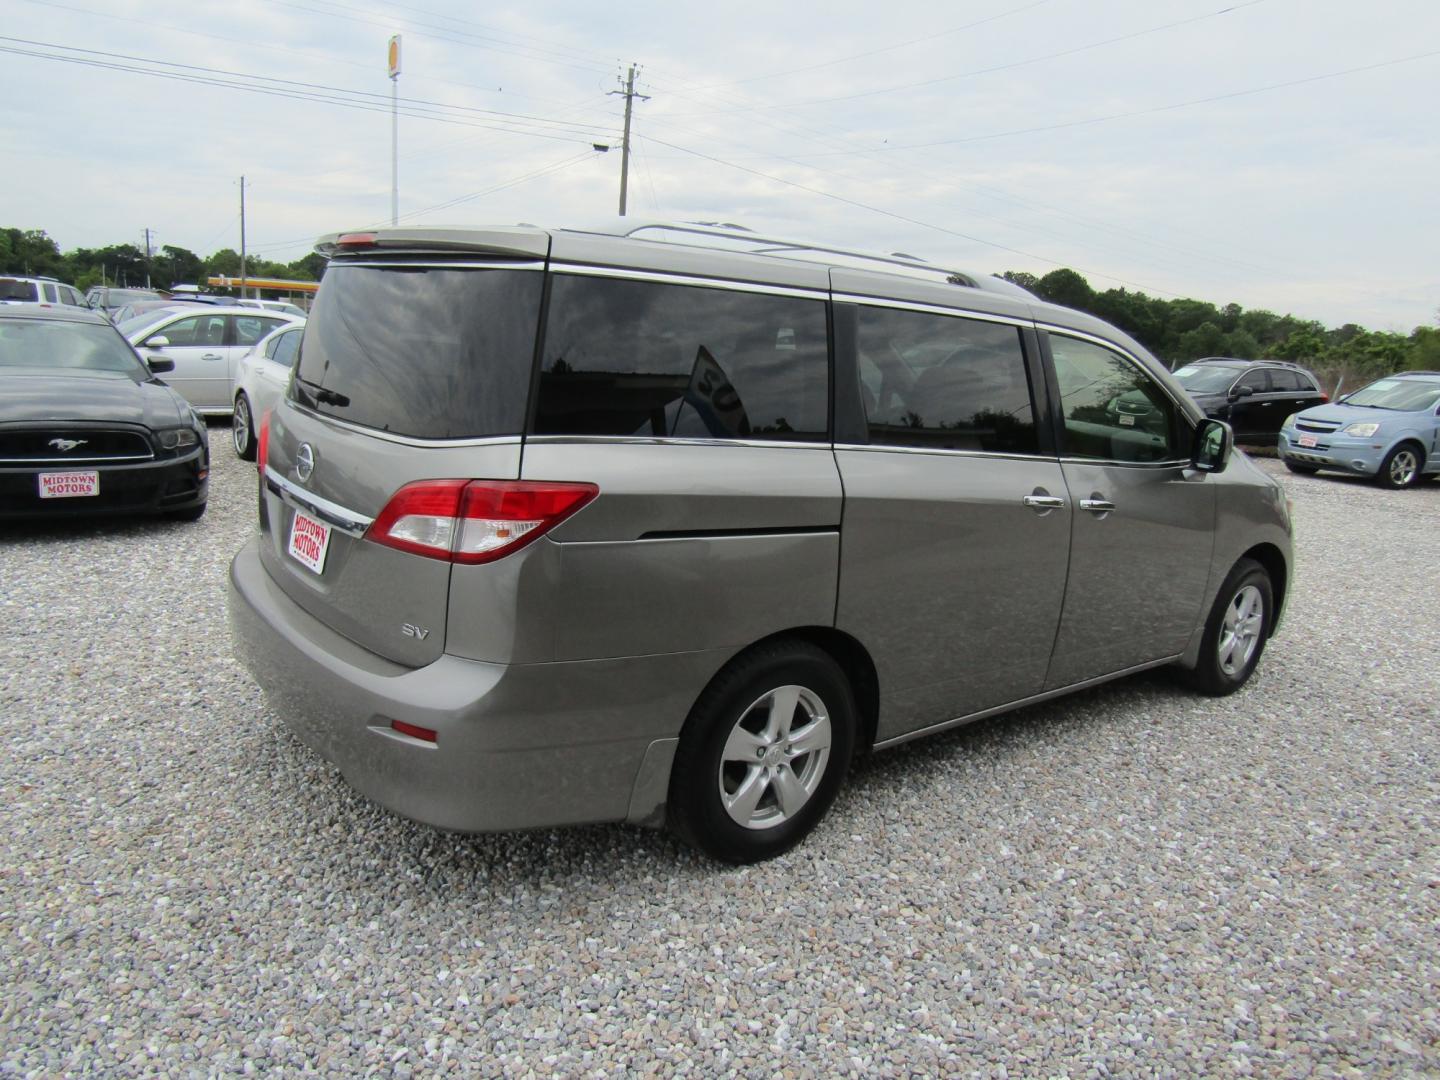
x=760 y=753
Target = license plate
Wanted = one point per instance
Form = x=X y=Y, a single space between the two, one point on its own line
x=69 y=485
x=309 y=541
x=1306 y=440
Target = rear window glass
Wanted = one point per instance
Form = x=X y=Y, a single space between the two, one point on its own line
x=432 y=352
x=682 y=361
x=10 y=289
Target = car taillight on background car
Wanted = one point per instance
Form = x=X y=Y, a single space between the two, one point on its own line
x=262 y=444
x=475 y=521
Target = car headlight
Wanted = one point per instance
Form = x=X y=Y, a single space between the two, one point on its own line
x=178 y=438
x=1290 y=420
x=1360 y=431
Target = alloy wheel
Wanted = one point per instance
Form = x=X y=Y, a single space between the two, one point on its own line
x=775 y=757
x=1240 y=632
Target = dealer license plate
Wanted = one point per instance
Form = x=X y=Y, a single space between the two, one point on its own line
x=69 y=485
x=1306 y=440
x=309 y=541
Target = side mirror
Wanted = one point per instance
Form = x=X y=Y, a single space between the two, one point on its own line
x=159 y=341
x=1210 y=449
x=1242 y=392
x=1342 y=397
x=158 y=365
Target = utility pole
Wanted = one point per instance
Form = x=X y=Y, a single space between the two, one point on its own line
x=394 y=61
x=630 y=97
x=149 y=254
x=242 y=238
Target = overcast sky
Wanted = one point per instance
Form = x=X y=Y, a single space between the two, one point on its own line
x=1277 y=153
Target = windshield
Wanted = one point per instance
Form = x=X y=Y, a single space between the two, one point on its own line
x=41 y=344
x=1402 y=395
x=133 y=325
x=1205 y=379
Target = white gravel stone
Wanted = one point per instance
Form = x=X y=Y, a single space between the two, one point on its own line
x=1131 y=881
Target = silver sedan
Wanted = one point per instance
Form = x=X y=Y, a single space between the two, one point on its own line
x=260 y=380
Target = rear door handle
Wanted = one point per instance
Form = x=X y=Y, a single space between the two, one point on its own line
x=1043 y=502
x=1097 y=506
x=211 y=356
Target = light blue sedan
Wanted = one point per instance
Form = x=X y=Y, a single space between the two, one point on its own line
x=1389 y=430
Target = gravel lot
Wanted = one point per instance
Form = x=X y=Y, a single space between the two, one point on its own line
x=1131 y=881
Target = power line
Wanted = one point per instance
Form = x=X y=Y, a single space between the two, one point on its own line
x=883 y=49
x=901 y=217
x=1014 y=64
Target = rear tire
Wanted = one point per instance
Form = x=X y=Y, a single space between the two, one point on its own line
x=1235 y=633
x=242 y=428
x=1301 y=470
x=763 y=752
x=1401 y=467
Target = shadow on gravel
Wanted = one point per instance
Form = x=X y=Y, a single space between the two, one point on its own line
x=585 y=861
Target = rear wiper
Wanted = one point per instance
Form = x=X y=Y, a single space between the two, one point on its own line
x=321 y=395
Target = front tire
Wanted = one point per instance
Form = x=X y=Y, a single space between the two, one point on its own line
x=1236 y=631
x=763 y=753
x=1401 y=467
x=242 y=428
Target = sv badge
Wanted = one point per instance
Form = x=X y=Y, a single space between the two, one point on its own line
x=417 y=632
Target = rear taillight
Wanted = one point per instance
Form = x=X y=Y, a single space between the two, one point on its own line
x=1324 y=398
x=474 y=521
x=262 y=444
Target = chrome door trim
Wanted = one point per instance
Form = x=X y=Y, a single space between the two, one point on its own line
x=669 y=440
x=932 y=309
x=403 y=440
x=654 y=276
x=1021 y=703
x=1097 y=506
x=1046 y=502
x=982 y=454
x=347 y=521
x=436 y=264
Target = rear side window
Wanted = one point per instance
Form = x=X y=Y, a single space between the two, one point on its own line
x=431 y=352
x=285 y=348
x=944 y=383
x=682 y=361
x=10 y=289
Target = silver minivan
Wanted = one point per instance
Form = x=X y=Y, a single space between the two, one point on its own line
x=667 y=525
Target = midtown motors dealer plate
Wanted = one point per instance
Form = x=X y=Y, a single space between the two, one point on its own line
x=309 y=541
x=69 y=485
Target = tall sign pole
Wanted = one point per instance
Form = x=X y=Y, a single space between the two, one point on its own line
x=242 y=238
x=394 y=58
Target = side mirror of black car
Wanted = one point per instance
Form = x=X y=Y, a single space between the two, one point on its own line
x=1242 y=392
x=158 y=365
x=1211 y=447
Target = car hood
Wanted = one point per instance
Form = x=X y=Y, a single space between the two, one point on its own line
x=1349 y=414
x=107 y=396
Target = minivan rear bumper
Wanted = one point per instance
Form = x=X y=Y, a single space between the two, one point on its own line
x=518 y=745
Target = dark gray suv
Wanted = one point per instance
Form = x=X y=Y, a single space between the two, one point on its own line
x=563 y=526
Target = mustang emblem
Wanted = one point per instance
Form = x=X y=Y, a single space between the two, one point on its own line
x=66 y=445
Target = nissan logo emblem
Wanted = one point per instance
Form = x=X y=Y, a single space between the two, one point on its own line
x=304 y=462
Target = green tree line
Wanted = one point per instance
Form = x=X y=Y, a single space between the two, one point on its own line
x=1181 y=330
x=31 y=252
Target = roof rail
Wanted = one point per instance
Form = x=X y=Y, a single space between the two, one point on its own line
x=1416 y=373
x=771 y=245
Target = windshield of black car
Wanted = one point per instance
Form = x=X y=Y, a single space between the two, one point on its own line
x=38 y=343
x=10 y=289
x=1401 y=395
x=1204 y=379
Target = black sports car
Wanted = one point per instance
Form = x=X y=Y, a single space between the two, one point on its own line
x=86 y=427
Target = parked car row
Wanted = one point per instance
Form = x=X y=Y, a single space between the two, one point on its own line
x=86 y=427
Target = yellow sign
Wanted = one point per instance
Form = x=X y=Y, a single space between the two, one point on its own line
x=394 y=56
